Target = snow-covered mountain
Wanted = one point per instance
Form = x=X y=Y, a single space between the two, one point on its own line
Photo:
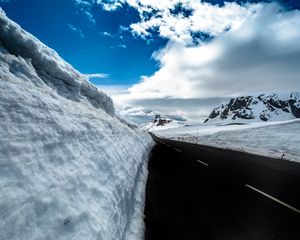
x=265 y=107
x=69 y=168
x=162 y=123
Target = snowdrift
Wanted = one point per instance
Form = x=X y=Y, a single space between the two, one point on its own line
x=69 y=168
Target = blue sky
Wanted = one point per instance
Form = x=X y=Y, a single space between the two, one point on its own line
x=176 y=57
x=91 y=47
x=95 y=43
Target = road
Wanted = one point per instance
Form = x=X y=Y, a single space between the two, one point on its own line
x=200 y=192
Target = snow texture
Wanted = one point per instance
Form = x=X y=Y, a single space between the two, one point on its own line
x=271 y=139
x=48 y=66
x=69 y=168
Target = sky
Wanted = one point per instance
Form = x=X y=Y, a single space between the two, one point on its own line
x=175 y=57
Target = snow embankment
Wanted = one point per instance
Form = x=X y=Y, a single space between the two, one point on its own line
x=268 y=139
x=69 y=169
x=48 y=66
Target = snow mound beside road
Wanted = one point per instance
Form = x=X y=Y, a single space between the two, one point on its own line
x=48 y=66
x=69 y=168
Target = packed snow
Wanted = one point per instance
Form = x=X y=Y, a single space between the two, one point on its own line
x=69 y=168
x=271 y=139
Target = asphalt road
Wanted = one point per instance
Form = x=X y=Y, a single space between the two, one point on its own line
x=199 y=192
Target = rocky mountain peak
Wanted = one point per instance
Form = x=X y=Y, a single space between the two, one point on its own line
x=264 y=107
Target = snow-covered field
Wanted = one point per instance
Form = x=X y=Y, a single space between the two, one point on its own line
x=69 y=168
x=269 y=139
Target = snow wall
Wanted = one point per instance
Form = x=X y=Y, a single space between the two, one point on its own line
x=69 y=168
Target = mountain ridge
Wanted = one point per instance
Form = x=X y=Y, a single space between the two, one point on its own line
x=264 y=107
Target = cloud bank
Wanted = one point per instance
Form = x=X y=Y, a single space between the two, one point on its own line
x=186 y=21
x=189 y=21
x=262 y=55
x=214 y=52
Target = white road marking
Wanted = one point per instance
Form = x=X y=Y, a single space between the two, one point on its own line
x=274 y=199
x=202 y=163
x=177 y=150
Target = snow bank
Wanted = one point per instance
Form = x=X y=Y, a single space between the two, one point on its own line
x=69 y=169
x=269 y=139
x=51 y=69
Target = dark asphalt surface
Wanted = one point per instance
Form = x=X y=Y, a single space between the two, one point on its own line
x=186 y=199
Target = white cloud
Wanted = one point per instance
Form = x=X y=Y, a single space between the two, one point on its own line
x=255 y=49
x=85 y=6
x=178 y=20
x=194 y=110
x=76 y=30
x=110 y=6
x=107 y=34
x=207 y=18
x=114 y=36
x=121 y=45
x=84 y=2
x=261 y=55
x=141 y=115
x=114 y=90
x=97 y=75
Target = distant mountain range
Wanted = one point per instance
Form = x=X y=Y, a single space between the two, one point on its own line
x=162 y=123
x=265 y=107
